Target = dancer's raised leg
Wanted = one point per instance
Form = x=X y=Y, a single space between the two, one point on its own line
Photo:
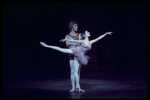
x=69 y=51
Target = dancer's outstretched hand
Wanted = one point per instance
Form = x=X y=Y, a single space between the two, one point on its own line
x=109 y=33
x=43 y=44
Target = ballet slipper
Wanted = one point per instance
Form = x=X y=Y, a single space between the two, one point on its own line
x=82 y=90
x=79 y=89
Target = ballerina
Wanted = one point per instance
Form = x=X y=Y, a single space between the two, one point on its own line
x=78 y=51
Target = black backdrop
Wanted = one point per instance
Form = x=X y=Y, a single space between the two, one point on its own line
x=25 y=24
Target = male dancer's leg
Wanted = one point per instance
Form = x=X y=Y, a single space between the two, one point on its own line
x=72 y=77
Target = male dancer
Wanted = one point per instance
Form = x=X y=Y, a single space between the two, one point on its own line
x=74 y=64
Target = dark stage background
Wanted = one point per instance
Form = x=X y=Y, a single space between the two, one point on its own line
x=25 y=24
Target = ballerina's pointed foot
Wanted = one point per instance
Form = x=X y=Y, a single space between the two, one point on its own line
x=43 y=44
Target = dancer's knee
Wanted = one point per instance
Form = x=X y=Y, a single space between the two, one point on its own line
x=60 y=49
x=76 y=72
x=72 y=71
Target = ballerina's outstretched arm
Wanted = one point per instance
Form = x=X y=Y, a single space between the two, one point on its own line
x=69 y=51
x=100 y=37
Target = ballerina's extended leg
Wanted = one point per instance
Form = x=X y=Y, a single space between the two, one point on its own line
x=76 y=64
x=69 y=51
x=79 y=80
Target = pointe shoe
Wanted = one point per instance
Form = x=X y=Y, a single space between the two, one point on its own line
x=82 y=90
x=79 y=89
x=72 y=90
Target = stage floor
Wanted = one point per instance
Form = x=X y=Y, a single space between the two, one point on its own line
x=96 y=85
